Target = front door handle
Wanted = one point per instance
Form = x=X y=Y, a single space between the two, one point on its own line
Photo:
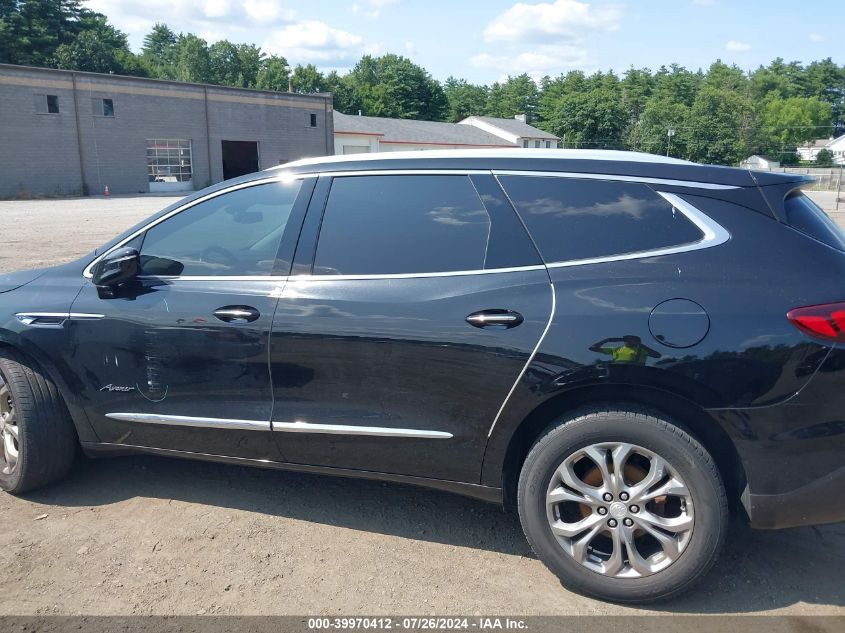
x=237 y=314
x=504 y=319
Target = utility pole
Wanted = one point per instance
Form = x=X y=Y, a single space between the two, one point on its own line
x=670 y=133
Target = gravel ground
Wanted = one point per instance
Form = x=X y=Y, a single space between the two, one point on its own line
x=143 y=535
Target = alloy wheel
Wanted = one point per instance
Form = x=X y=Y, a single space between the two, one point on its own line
x=9 y=429
x=620 y=510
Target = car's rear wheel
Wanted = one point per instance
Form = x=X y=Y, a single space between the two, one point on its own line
x=622 y=505
x=37 y=434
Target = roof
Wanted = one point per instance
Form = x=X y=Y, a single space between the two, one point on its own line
x=508 y=152
x=669 y=172
x=512 y=126
x=821 y=143
x=411 y=131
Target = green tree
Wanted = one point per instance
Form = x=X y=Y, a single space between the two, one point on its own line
x=676 y=84
x=192 y=60
x=464 y=99
x=344 y=97
x=307 y=79
x=249 y=58
x=274 y=74
x=794 y=121
x=594 y=119
x=159 y=51
x=517 y=95
x=720 y=123
x=658 y=117
x=393 y=86
x=223 y=65
x=100 y=48
x=824 y=158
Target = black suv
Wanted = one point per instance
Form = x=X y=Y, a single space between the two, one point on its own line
x=620 y=345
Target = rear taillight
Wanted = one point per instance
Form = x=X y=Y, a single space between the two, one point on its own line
x=825 y=321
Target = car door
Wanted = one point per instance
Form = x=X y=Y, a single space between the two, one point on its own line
x=406 y=324
x=178 y=358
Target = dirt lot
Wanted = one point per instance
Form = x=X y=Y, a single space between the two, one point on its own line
x=156 y=536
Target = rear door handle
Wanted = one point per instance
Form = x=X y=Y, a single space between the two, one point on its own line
x=237 y=314
x=504 y=319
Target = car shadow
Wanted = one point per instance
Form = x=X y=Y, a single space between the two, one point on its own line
x=758 y=570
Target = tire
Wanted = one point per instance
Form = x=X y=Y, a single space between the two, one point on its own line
x=697 y=509
x=45 y=436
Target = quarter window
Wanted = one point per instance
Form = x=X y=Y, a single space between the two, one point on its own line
x=233 y=234
x=572 y=219
x=378 y=225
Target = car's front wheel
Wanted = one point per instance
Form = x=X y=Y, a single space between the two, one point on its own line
x=622 y=505
x=37 y=434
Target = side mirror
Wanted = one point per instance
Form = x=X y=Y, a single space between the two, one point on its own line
x=117 y=267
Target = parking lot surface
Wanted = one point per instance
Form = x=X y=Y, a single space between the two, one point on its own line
x=143 y=535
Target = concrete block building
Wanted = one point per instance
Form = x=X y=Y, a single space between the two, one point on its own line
x=70 y=133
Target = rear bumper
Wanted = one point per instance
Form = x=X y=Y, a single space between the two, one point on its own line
x=820 y=501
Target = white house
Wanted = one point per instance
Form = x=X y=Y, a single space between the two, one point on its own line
x=836 y=145
x=515 y=130
x=759 y=163
x=366 y=134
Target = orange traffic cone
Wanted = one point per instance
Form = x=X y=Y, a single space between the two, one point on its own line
x=106 y=192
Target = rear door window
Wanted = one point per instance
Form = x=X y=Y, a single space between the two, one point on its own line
x=387 y=225
x=573 y=219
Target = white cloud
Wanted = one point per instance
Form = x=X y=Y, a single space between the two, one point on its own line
x=546 y=38
x=372 y=8
x=737 y=47
x=538 y=62
x=279 y=30
x=816 y=37
x=545 y=22
x=315 y=42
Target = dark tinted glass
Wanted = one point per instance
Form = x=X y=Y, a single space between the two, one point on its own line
x=581 y=219
x=53 y=104
x=803 y=215
x=237 y=233
x=108 y=107
x=377 y=225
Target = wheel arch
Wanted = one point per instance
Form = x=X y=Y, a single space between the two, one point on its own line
x=11 y=341
x=680 y=411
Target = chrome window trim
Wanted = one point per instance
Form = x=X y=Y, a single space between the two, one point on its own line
x=713 y=234
x=284 y=177
x=349 y=429
x=527 y=362
x=456 y=273
x=616 y=177
x=197 y=422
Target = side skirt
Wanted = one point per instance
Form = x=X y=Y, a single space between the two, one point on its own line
x=476 y=491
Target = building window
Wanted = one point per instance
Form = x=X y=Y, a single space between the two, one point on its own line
x=313 y=120
x=102 y=107
x=169 y=160
x=548 y=144
x=525 y=142
x=52 y=104
x=536 y=143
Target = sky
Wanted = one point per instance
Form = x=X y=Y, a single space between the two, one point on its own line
x=486 y=40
